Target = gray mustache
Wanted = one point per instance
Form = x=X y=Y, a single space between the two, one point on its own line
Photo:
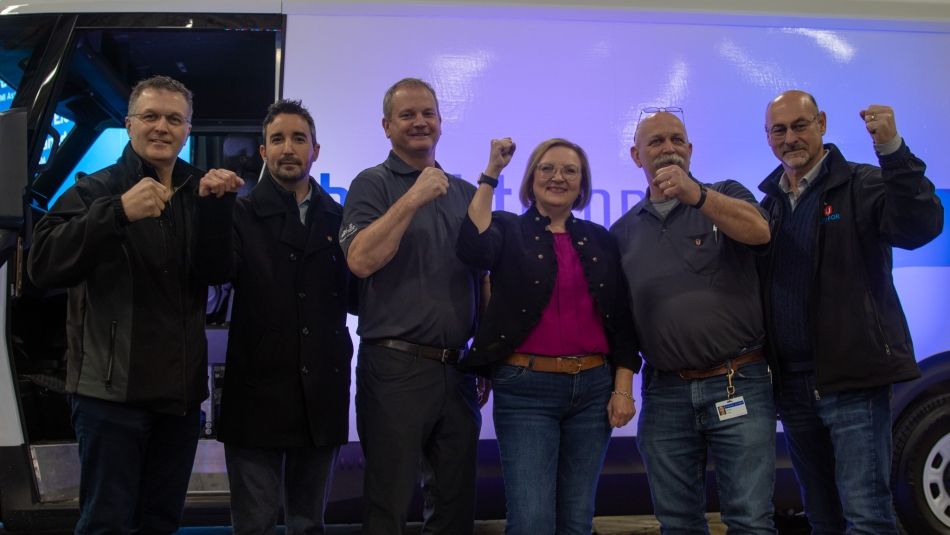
x=665 y=160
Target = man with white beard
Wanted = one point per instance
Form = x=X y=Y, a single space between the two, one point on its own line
x=688 y=252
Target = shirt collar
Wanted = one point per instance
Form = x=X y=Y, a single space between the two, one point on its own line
x=804 y=181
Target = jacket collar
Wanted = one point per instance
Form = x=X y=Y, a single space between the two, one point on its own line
x=834 y=171
x=137 y=168
x=270 y=200
x=536 y=222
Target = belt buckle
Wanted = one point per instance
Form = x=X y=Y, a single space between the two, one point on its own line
x=444 y=357
x=575 y=361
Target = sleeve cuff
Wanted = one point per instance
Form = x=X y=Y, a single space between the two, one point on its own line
x=120 y=217
x=892 y=146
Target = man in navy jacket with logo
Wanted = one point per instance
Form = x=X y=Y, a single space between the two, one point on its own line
x=838 y=337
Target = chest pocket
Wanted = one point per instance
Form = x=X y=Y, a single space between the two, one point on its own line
x=701 y=252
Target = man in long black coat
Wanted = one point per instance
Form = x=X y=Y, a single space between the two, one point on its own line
x=285 y=402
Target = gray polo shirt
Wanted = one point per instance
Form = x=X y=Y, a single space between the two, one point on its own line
x=694 y=291
x=424 y=295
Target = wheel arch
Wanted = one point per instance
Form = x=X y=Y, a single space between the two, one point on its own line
x=934 y=380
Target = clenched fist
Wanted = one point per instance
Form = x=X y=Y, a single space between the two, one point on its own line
x=217 y=182
x=430 y=184
x=147 y=198
x=879 y=120
x=500 y=154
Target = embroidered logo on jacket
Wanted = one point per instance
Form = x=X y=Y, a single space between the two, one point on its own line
x=828 y=214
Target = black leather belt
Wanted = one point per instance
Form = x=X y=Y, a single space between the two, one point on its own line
x=444 y=355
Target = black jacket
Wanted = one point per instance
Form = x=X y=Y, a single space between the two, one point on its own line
x=136 y=318
x=519 y=252
x=287 y=376
x=860 y=335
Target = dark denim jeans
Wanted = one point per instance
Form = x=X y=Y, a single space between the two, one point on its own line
x=255 y=476
x=134 y=466
x=679 y=424
x=552 y=431
x=840 y=444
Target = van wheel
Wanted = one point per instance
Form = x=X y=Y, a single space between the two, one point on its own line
x=920 y=472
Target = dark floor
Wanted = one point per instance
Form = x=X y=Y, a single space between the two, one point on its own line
x=613 y=525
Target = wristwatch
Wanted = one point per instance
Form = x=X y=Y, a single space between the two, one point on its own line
x=702 y=197
x=485 y=179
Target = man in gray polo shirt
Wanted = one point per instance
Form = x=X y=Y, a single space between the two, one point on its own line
x=416 y=313
x=687 y=251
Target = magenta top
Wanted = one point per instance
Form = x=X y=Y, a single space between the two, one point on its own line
x=570 y=324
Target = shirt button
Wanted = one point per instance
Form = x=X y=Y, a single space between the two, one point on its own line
x=293 y=257
x=537 y=238
x=335 y=294
x=524 y=310
x=301 y=295
x=537 y=282
x=502 y=337
x=336 y=370
x=601 y=285
x=536 y=218
x=304 y=370
x=305 y=331
x=594 y=259
x=540 y=257
x=329 y=238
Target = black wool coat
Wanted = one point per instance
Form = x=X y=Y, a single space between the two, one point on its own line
x=287 y=374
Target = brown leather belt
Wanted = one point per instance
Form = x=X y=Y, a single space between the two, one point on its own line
x=444 y=355
x=569 y=365
x=756 y=355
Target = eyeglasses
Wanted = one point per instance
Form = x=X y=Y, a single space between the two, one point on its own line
x=152 y=118
x=779 y=131
x=568 y=172
x=651 y=110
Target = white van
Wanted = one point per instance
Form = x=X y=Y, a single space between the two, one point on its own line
x=530 y=71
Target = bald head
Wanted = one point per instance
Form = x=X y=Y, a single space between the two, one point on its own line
x=802 y=98
x=661 y=141
x=658 y=118
x=794 y=128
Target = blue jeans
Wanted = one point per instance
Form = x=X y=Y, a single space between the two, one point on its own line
x=840 y=444
x=255 y=476
x=134 y=466
x=679 y=424
x=552 y=431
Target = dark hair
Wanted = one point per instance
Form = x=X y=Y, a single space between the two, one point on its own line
x=526 y=193
x=161 y=83
x=289 y=107
x=406 y=82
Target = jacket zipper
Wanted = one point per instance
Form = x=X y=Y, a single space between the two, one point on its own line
x=877 y=322
x=111 y=362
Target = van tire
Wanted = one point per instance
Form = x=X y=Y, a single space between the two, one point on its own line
x=920 y=470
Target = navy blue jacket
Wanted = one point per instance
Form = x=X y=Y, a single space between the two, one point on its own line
x=859 y=333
